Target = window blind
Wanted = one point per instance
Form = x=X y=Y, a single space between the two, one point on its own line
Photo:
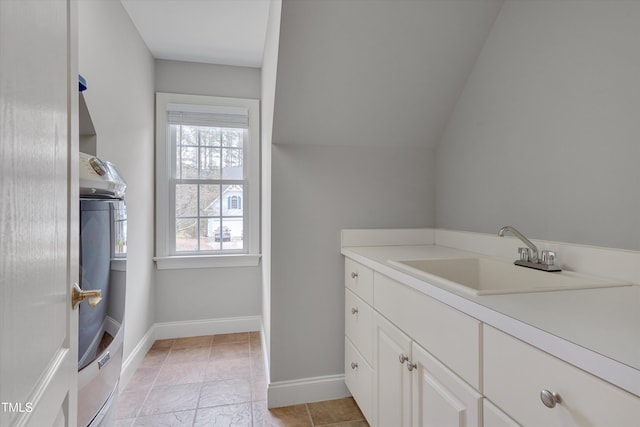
x=203 y=115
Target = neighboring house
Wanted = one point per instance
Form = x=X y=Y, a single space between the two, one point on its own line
x=231 y=203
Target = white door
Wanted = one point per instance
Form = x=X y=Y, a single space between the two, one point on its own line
x=38 y=212
x=393 y=379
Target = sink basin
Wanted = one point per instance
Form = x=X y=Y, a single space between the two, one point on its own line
x=487 y=276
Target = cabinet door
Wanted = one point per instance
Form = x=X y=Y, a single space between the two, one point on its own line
x=494 y=417
x=392 y=379
x=441 y=398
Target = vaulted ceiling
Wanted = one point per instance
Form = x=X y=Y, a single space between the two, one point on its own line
x=229 y=32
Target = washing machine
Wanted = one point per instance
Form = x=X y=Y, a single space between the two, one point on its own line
x=103 y=260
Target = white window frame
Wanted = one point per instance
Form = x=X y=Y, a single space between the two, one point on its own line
x=165 y=203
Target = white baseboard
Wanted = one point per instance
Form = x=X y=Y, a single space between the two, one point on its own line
x=306 y=390
x=194 y=328
x=133 y=360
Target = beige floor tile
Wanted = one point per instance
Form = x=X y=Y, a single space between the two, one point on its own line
x=188 y=355
x=290 y=416
x=162 y=344
x=164 y=399
x=155 y=358
x=361 y=423
x=124 y=423
x=181 y=373
x=230 y=350
x=228 y=368
x=142 y=379
x=227 y=415
x=191 y=342
x=217 y=380
x=334 y=411
x=242 y=337
x=171 y=419
x=225 y=392
x=129 y=404
x=258 y=388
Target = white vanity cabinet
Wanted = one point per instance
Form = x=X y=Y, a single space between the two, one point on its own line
x=393 y=378
x=515 y=375
x=359 y=335
x=411 y=387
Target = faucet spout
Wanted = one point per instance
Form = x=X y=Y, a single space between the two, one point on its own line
x=512 y=230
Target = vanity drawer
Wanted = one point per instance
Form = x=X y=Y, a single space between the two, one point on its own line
x=358 y=324
x=359 y=279
x=358 y=376
x=448 y=334
x=516 y=373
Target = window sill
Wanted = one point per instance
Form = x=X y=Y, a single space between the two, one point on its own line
x=206 y=261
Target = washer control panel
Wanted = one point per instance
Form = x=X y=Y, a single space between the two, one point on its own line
x=100 y=178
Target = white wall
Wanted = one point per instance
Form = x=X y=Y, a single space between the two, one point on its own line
x=194 y=78
x=119 y=72
x=269 y=72
x=318 y=191
x=545 y=134
x=208 y=293
x=362 y=95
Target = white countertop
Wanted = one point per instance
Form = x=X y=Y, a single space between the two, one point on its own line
x=597 y=330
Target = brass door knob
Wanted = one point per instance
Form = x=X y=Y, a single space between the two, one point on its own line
x=93 y=297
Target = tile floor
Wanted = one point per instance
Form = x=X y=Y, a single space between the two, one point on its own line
x=216 y=380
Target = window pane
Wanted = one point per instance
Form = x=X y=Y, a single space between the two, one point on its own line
x=231 y=137
x=187 y=162
x=209 y=163
x=186 y=200
x=208 y=237
x=232 y=200
x=209 y=200
x=186 y=238
x=188 y=135
x=209 y=136
x=233 y=233
x=232 y=163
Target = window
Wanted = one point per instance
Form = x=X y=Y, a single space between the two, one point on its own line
x=207 y=184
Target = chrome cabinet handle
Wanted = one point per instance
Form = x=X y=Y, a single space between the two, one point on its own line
x=403 y=358
x=411 y=366
x=354 y=365
x=354 y=275
x=549 y=398
x=354 y=310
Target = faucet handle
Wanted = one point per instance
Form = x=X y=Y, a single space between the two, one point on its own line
x=525 y=254
x=548 y=258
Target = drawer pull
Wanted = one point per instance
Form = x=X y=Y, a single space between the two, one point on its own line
x=354 y=365
x=354 y=311
x=403 y=358
x=354 y=275
x=549 y=398
x=411 y=366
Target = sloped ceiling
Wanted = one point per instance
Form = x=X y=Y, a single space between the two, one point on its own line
x=228 y=32
x=375 y=73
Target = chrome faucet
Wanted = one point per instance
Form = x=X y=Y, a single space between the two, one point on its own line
x=529 y=255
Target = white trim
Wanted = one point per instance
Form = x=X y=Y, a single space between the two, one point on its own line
x=306 y=390
x=206 y=261
x=387 y=237
x=134 y=360
x=194 y=328
x=164 y=219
